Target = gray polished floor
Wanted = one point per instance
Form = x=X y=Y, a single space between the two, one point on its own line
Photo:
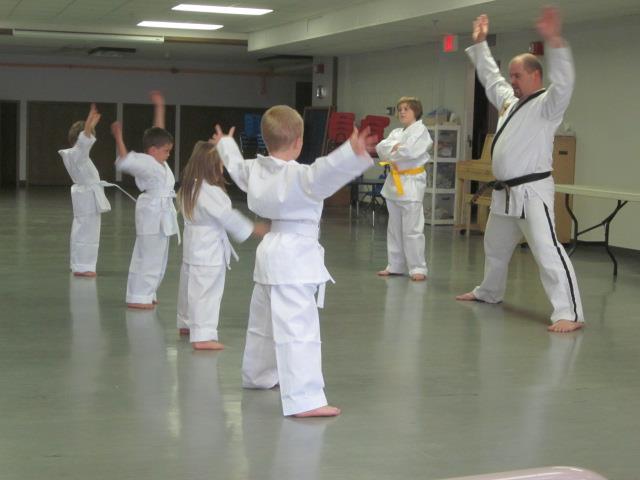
x=430 y=388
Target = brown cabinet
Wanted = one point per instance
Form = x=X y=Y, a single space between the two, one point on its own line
x=564 y=166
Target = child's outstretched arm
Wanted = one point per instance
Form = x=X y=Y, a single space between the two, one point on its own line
x=158 y=108
x=92 y=120
x=231 y=156
x=116 y=131
x=328 y=174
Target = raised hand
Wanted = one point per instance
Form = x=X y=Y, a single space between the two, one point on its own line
x=362 y=142
x=93 y=118
x=480 y=29
x=116 y=130
x=156 y=96
x=218 y=134
x=549 y=26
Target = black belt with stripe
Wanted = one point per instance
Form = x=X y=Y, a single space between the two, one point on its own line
x=507 y=184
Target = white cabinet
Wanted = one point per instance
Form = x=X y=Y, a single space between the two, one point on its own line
x=440 y=195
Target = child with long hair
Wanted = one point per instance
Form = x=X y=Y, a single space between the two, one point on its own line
x=206 y=252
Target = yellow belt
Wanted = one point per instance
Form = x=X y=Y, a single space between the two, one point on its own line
x=395 y=174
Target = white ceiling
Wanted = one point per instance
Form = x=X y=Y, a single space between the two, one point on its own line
x=310 y=27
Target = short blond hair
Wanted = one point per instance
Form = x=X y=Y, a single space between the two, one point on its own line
x=281 y=126
x=74 y=132
x=413 y=103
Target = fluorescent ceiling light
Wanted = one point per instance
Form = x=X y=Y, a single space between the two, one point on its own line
x=183 y=26
x=187 y=7
x=98 y=37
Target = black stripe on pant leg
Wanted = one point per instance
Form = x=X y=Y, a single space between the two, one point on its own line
x=564 y=263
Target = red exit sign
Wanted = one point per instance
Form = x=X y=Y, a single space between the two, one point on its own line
x=450 y=43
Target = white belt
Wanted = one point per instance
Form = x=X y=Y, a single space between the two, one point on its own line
x=164 y=193
x=305 y=229
x=107 y=184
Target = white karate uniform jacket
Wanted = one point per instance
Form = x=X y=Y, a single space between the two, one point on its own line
x=87 y=193
x=205 y=240
x=415 y=142
x=292 y=193
x=155 y=211
x=526 y=144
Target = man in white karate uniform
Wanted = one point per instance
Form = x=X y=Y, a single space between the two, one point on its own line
x=87 y=195
x=523 y=195
x=283 y=335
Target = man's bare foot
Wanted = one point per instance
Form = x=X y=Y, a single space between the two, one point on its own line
x=155 y=302
x=418 y=277
x=84 y=274
x=326 y=411
x=184 y=331
x=141 y=306
x=209 y=345
x=467 y=297
x=565 y=326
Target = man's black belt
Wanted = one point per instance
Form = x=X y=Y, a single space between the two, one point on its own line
x=507 y=184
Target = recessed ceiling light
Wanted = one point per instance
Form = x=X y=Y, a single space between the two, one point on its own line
x=187 y=7
x=184 y=26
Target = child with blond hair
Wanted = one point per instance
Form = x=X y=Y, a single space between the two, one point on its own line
x=209 y=219
x=283 y=335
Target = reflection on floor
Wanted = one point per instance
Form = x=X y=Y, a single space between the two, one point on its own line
x=430 y=388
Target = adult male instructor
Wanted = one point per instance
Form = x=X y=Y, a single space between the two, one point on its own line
x=523 y=195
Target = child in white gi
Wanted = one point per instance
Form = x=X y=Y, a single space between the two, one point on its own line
x=87 y=196
x=283 y=335
x=206 y=251
x=405 y=151
x=155 y=213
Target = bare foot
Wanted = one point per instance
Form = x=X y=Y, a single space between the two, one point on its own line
x=155 y=302
x=418 y=277
x=326 y=411
x=209 y=345
x=565 y=326
x=141 y=306
x=84 y=274
x=386 y=273
x=467 y=297
x=184 y=331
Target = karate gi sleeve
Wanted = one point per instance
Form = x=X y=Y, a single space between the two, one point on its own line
x=498 y=90
x=80 y=151
x=412 y=146
x=328 y=174
x=134 y=164
x=562 y=77
x=217 y=206
x=383 y=148
x=234 y=162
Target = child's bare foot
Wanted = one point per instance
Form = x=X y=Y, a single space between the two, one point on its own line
x=326 y=411
x=565 y=326
x=141 y=306
x=184 y=331
x=467 y=297
x=386 y=273
x=84 y=274
x=418 y=277
x=209 y=345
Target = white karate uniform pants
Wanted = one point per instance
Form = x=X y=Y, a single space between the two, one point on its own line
x=85 y=239
x=199 y=298
x=283 y=346
x=405 y=238
x=147 y=267
x=556 y=271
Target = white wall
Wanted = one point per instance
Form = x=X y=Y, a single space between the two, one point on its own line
x=604 y=110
